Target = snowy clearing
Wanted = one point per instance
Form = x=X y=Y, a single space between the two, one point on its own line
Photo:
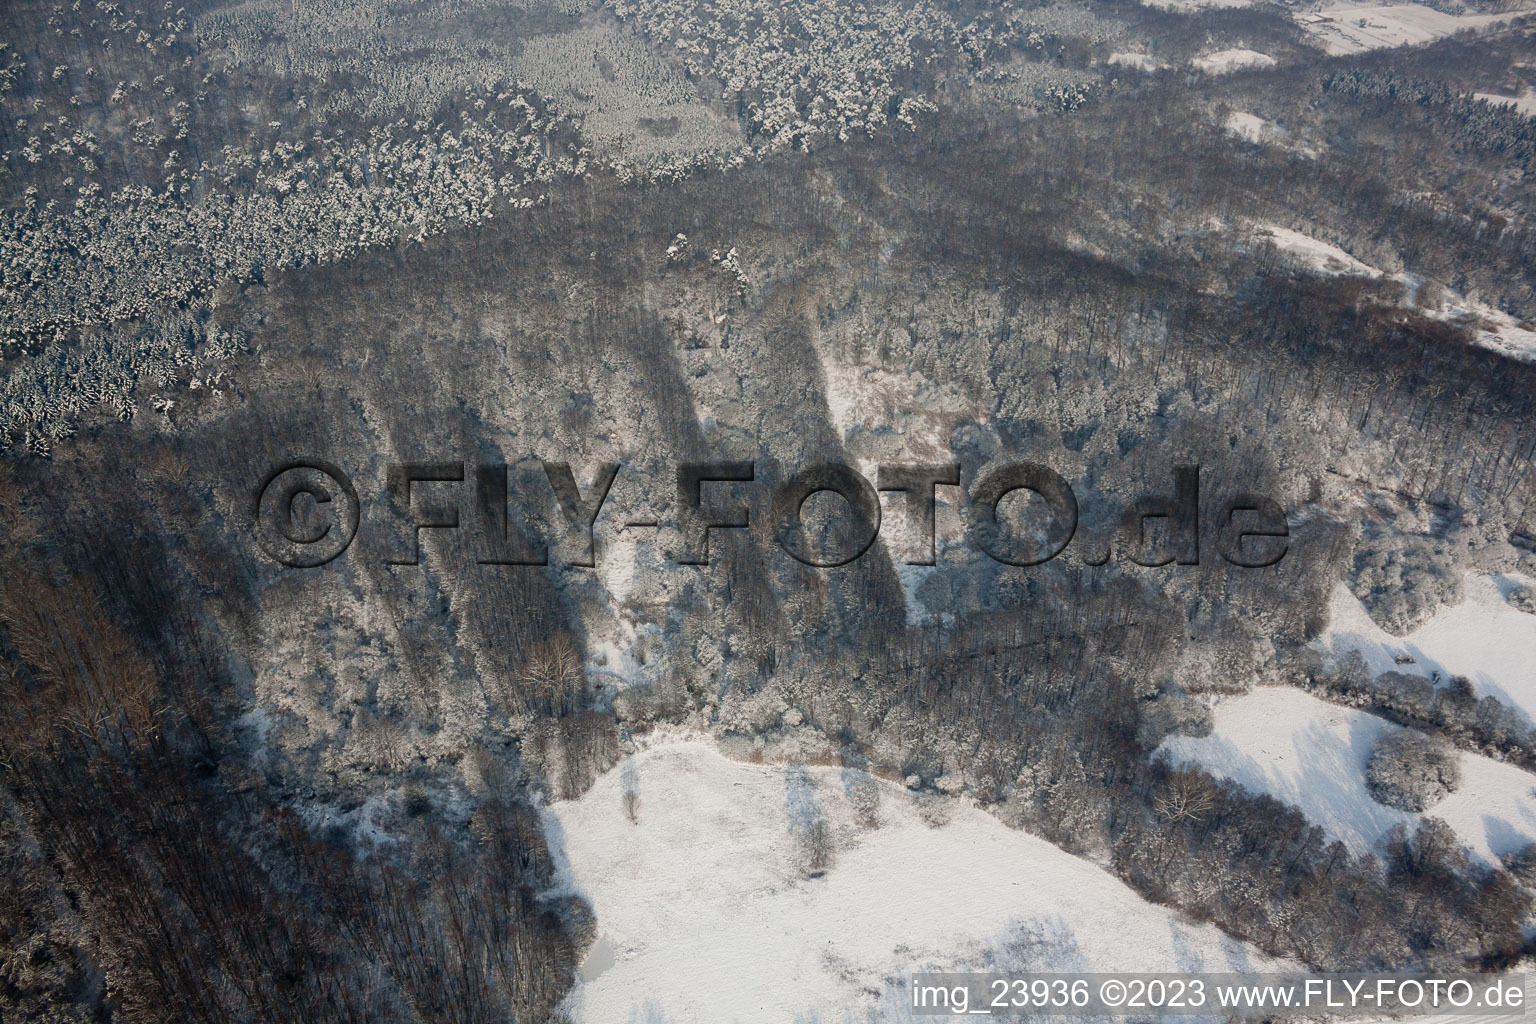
x=1223 y=61
x=1493 y=328
x=624 y=94
x=921 y=413
x=1255 y=129
x=1490 y=328
x=1195 y=5
x=1248 y=126
x=1313 y=255
x=1139 y=61
x=1525 y=102
x=705 y=913
x=1484 y=638
x=1353 y=28
x=1312 y=754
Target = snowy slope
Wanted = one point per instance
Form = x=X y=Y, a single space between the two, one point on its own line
x=704 y=912
x=1484 y=638
x=1495 y=329
x=1312 y=754
x=1491 y=328
x=1318 y=257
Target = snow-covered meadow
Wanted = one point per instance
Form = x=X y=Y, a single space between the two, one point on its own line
x=1311 y=254
x=705 y=910
x=1312 y=754
x=1484 y=638
x=1345 y=28
x=1223 y=61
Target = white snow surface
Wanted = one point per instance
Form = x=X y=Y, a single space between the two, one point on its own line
x=1525 y=103
x=1491 y=328
x=1223 y=61
x=1341 y=31
x=703 y=911
x=921 y=411
x=1195 y=5
x=1248 y=126
x=1484 y=638
x=1495 y=329
x=1139 y=61
x=1255 y=129
x=1318 y=257
x=1312 y=754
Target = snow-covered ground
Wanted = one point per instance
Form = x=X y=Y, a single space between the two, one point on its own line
x=705 y=913
x=1525 y=102
x=1260 y=132
x=1195 y=5
x=1496 y=330
x=1248 y=126
x=1223 y=61
x=1318 y=257
x=1491 y=328
x=1353 y=27
x=1139 y=61
x=1484 y=638
x=1312 y=754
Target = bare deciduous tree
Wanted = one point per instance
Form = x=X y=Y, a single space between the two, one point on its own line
x=1188 y=797
x=817 y=843
x=631 y=798
x=553 y=674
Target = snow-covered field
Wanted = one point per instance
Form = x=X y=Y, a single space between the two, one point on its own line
x=1223 y=61
x=1312 y=754
x=622 y=93
x=1496 y=330
x=705 y=912
x=1353 y=27
x=920 y=412
x=1484 y=638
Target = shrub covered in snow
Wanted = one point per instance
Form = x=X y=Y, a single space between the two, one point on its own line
x=1483 y=725
x=934 y=808
x=863 y=792
x=1403 y=581
x=1523 y=598
x=1412 y=771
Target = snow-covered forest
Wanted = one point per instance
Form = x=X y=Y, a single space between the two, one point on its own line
x=1291 y=244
